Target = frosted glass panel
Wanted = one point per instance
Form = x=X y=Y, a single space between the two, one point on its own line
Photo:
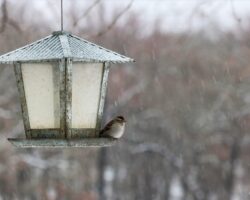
x=41 y=87
x=86 y=83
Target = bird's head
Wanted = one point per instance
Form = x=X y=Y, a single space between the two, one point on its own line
x=120 y=119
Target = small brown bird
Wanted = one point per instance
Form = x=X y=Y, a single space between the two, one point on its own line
x=115 y=128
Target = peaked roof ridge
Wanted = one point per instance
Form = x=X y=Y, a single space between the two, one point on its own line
x=64 y=41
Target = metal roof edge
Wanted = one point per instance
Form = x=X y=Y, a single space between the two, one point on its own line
x=74 y=59
x=23 y=47
x=99 y=61
x=101 y=47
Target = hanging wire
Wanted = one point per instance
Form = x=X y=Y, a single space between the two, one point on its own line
x=61 y=15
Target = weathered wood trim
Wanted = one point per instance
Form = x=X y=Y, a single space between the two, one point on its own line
x=104 y=83
x=44 y=133
x=68 y=93
x=56 y=89
x=62 y=70
x=62 y=143
x=82 y=133
x=80 y=60
x=24 y=107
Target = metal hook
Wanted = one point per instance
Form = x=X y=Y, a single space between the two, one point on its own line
x=61 y=15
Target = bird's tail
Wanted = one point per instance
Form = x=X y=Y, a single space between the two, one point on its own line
x=101 y=133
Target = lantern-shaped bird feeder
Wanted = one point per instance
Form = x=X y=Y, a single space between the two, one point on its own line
x=62 y=81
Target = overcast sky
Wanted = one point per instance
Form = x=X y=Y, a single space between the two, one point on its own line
x=175 y=15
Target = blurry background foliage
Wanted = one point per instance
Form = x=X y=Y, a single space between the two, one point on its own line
x=186 y=99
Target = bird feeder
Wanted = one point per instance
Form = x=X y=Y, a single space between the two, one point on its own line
x=62 y=82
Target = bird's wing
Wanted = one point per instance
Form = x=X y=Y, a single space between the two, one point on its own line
x=107 y=127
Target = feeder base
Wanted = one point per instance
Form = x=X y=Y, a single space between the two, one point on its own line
x=62 y=143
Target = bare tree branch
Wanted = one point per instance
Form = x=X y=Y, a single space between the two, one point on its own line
x=4 y=16
x=112 y=24
x=6 y=20
x=235 y=15
x=127 y=95
x=15 y=25
x=90 y=8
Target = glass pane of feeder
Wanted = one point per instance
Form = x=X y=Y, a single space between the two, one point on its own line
x=41 y=85
x=86 y=85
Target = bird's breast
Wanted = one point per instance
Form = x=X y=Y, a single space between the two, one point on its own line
x=117 y=130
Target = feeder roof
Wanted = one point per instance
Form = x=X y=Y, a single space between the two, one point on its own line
x=63 y=45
